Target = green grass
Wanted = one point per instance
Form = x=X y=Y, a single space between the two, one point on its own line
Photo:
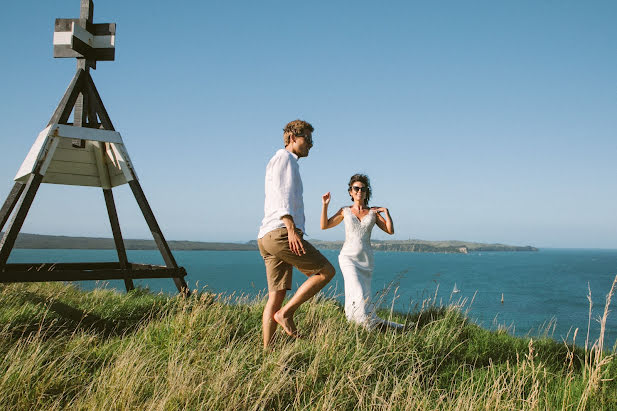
x=64 y=348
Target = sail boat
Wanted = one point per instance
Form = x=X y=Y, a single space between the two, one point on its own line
x=455 y=289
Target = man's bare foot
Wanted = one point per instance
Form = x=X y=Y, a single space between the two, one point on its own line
x=287 y=323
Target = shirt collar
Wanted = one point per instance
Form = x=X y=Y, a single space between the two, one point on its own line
x=293 y=154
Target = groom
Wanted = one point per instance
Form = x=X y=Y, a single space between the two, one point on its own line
x=280 y=237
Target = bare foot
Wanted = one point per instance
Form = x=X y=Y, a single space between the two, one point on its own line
x=287 y=323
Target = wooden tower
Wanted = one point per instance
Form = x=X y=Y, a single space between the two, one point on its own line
x=86 y=152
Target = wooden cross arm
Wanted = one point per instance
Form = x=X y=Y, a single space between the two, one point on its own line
x=98 y=29
x=97 y=42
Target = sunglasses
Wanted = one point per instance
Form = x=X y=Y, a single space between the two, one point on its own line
x=358 y=188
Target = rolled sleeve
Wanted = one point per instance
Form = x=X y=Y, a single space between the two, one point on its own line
x=281 y=190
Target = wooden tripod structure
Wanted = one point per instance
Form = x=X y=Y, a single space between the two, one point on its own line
x=86 y=152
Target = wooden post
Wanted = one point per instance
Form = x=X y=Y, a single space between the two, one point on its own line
x=86 y=12
x=86 y=17
x=99 y=149
x=115 y=228
x=63 y=111
x=8 y=241
x=92 y=117
x=170 y=261
x=10 y=202
x=80 y=111
x=95 y=100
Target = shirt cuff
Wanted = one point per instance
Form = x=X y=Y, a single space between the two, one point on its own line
x=280 y=212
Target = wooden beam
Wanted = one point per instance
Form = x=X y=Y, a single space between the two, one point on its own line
x=103 y=29
x=63 y=29
x=65 y=51
x=92 y=134
x=80 y=111
x=78 y=169
x=67 y=45
x=64 y=25
x=86 y=11
x=63 y=111
x=39 y=156
x=92 y=116
x=9 y=204
x=101 y=166
x=159 y=239
x=120 y=158
x=10 y=235
x=83 y=49
x=74 y=155
x=85 y=64
x=98 y=103
x=72 y=180
x=115 y=228
x=48 y=154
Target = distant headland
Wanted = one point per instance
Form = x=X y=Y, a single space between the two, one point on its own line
x=37 y=241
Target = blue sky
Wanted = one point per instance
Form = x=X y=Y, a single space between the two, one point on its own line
x=479 y=120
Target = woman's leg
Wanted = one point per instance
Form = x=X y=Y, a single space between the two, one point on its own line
x=355 y=294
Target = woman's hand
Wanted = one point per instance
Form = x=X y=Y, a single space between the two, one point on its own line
x=325 y=199
x=386 y=223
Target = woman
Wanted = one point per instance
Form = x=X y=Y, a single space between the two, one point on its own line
x=356 y=257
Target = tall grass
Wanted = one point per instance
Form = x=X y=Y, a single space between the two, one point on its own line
x=64 y=348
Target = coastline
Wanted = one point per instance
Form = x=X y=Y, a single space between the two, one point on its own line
x=39 y=241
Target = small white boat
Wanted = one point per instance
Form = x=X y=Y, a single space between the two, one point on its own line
x=455 y=289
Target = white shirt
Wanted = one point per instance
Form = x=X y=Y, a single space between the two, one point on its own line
x=283 y=192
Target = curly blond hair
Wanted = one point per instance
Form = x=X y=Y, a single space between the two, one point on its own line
x=297 y=128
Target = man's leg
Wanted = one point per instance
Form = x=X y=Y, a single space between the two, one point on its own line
x=311 y=286
x=275 y=299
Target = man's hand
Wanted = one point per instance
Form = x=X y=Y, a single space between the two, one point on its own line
x=295 y=242
x=380 y=209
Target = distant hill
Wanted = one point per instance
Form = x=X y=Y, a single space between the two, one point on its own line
x=37 y=241
x=423 y=246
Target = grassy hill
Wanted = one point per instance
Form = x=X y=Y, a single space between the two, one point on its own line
x=64 y=348
x=37 y=241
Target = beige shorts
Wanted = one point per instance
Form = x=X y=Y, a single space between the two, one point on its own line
x=279 y=260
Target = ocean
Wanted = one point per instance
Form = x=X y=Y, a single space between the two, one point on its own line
x=544 y=292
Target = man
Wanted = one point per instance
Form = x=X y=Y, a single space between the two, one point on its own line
x=280 y=237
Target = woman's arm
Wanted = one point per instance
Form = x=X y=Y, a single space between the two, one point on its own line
x=386 y=224
x=332 y=221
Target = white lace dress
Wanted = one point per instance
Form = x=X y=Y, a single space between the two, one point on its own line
x=356 y=262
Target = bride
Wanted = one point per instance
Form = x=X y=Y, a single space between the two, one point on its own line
x=356 y=257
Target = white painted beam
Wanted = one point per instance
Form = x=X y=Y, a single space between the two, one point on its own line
x=84 y=133
x=33 y=156
x=64 y=38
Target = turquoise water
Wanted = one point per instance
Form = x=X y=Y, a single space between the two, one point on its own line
x=549 y=286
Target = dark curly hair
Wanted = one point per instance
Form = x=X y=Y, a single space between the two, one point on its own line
x=297 y=128
x=364 y=180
